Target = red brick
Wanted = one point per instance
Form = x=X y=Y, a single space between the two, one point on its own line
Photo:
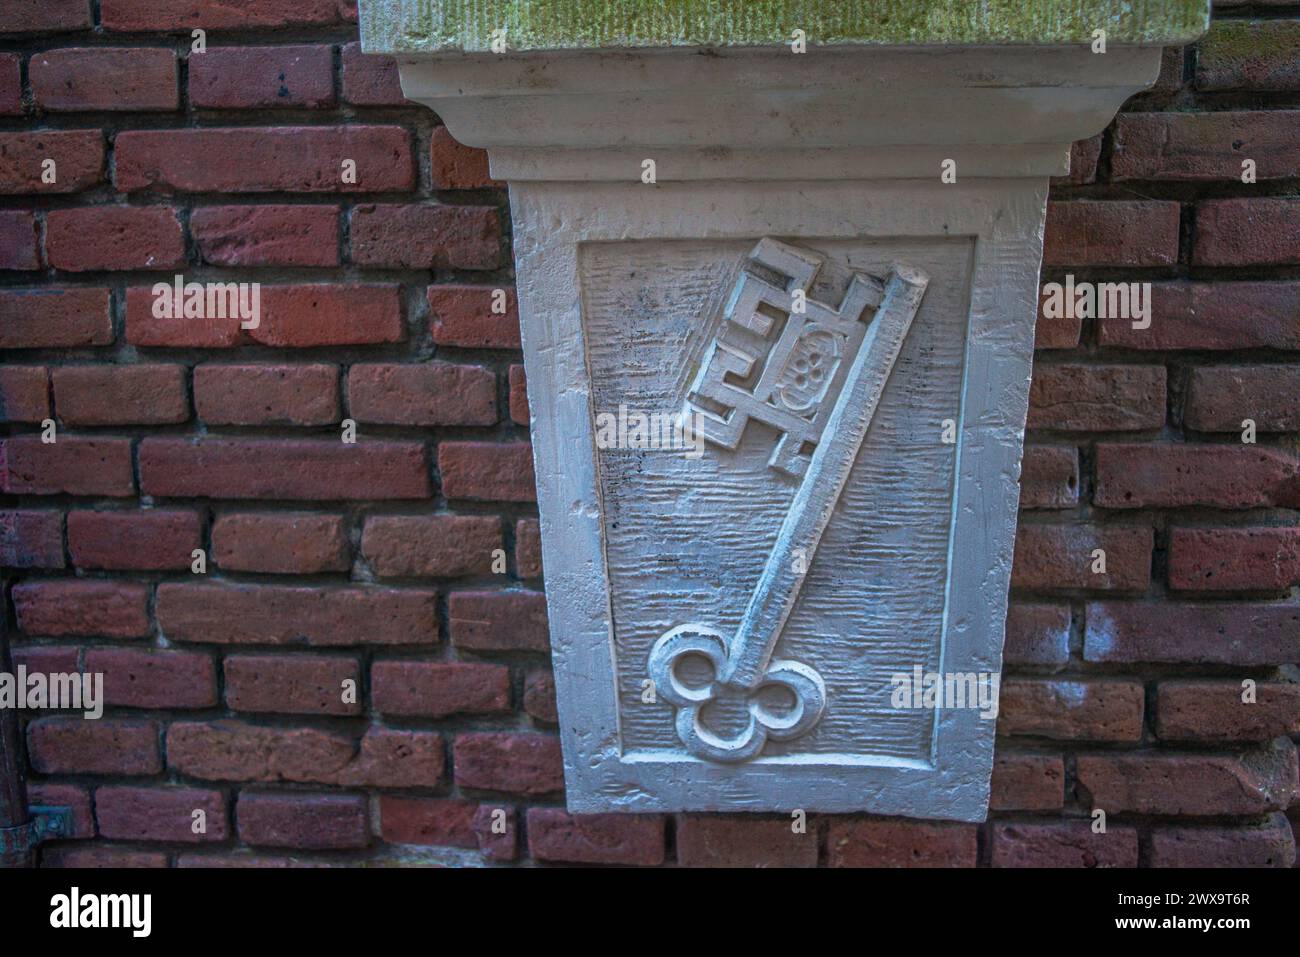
x=515 y=763
x=114 y=237
x=71 y=606
x=296 y=159
x=78 y=157
x=494 y=621
x=283 y=469
x=1180 y=633
x=106 y=746
x=1049 y=477
x=1248 y=232
x=286 y=615
x=1055 y=332
x=238 y=859
x=898 y=843
x=539 y=697
x=462 y=316
x=1089 y=398
x=135 y=16
x=120 y=394
x=104 y=78
x=260 y=77
x=1213 y=315
x=99 y=856
x=1071 y=710
x=431 y=546
x=370 y=80
x=1027 y=782
x=1220 y=398
x=135 y=678
x=1269 y=845
x=438 y=689
x=1037 y=635
x=436 y=822
x=518 y=396
x=1209 y=710
x=743 y=841
x=267 y=235
x=138 y=539
x=1170 y=77
x=454 y=166
x=31 y=539
x=636 y=839
x=1205 y=146
x=487 y=471
x=19 y=240
x=11 y=85
x=161 y=814
x=1249 y=55
x=75 y=465
x=281 y=543
x=424 y=393
x=267 y=394
x=44 y=16
x=54 y=318
x=48 y=659
x=1060 y=556
x=528 y=548
x=1166 y=782
x=1083 y=163
x=1063 y=844
x=308 y=821
x=237 y=751
x=426 y=237
x=24 y=394
x=42 y=794
x=1234 y=559
x=292 y=684
x=1110 y=233
x=1170 y=475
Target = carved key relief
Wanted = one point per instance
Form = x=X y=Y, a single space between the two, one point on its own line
x=766 y=589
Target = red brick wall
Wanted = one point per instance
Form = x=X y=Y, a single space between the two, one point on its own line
x=372 y=562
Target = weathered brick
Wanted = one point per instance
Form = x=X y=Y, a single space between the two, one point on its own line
x=44 y=16
x=1111 y=233
x=71 y=606
x=487 y=471
x=161 y=814
x=1221 y=398
x=1182 y=633
x=1071 y=710
x=261 y=77
x=1063 y=844
x=308 y=821
x=1174 y=475
x=1205 y=146
x=1269 y=845
x=1061 y=556
x=1170 y=77
x=48 y=659
x=1213 y=315
x=54 y=318
x=291 y=469
x=425 y=393
x=1209 y=710
x=437 y=822
x=73 y=465
x=1084 y=155
x=273 y=235
x=426 y=237
x=136 y=678
x=31 y=538
x=292 y=684
x=1027 y=782
x=104 y=78
x=454 y=166
x=515 y=763
x=431 y=546
x=24 y=393
x=287 y=543
x=528 y=548
x=494 y=621
x=519 y=413
x=898 y=843
x=96 y=238
x=1249 y=55
x=462 y=316
x=78 y=157
x=1037 y=635
x=539 y=696
x=1248 y=232
x=100 y=856
x=1090 y=398
x=65 y=795
x=370 y=80
x=144 y=394
x=1234 y=559
x=11 y=85
x=138 y=539
x=19 y=240
x=742 y=841
x=306 y=615
x=267 y=394
x=108 y=746
x=437 y=689
x=296 y=159
x=135 y=16
x=637 y=839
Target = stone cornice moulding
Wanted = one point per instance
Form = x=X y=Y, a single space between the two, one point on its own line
x=851 y=335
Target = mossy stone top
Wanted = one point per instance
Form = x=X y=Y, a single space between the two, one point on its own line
x=446 y=26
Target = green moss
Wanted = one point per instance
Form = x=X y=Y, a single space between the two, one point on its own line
x=389 y=26
x=1231 y=43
